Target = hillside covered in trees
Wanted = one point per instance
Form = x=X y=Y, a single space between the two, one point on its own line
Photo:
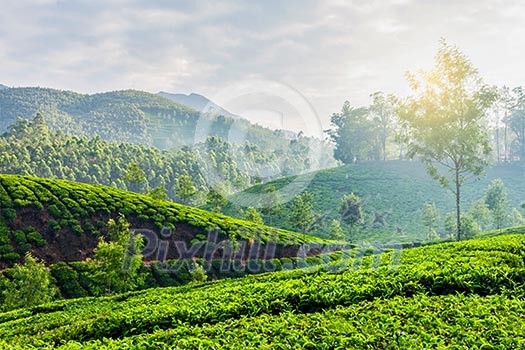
x=131 y=116
x=135 y=117
x=33 y=148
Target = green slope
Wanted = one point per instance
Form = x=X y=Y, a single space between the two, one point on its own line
x=398 y=189
x=453 y=295
x=61 y=220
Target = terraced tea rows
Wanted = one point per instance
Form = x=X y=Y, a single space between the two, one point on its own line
x=441 y=295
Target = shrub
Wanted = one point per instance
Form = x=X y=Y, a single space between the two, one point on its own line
x=5 y=249
x=77 y=229
x=10 y=257
x=198 y=274
x=143 y=217
x=19 y=237
x=54 y=225
x=9 y=213
x=31 y=284
x=34 y=237
x=55 y=211
x=150 y=212
x=67 y=280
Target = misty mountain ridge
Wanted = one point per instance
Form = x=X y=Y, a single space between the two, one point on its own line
x=205 y=105
x=199 y=103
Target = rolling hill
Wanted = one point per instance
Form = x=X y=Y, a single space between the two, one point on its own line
x=454 y=295
x=393 y=194
x=132 y=116
x=140 y=118
x=129 y=116
x=62 y=221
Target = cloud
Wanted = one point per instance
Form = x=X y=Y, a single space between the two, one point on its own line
x=330 y=51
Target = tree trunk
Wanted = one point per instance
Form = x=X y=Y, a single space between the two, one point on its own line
x=458 y=205
x=522 y=156
x=497 y=142
x=505 y=138
x=384 y=151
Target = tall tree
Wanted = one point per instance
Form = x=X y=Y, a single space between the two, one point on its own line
x=39 y=126
x=507 y=101
x=270 y=201
x=516 y=121
x=135 y=177
x=216 y=199
x=500 y=110
x=185 y=189
x=335 y=231
x=496 y=198
x=31 y=284
x=351 y=212
x=429 y=217
x=479 y=211
x=383 y=109
x=496 y=119
x=449 y=223
x=352 y=133
x=158 y=193
x=116 y=263
x=301 y=215
x=253 y=215
x=517 y=218
x=445 y=121
x=470 y=226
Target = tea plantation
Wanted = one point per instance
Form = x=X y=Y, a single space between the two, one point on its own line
x=393 y=192
x=60 y=220
x=466 y=295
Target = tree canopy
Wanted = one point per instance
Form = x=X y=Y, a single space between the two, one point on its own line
x=445 y=121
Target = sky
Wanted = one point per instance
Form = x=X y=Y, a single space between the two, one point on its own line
x=323 y=52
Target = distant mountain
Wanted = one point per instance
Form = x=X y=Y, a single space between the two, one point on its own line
x=128 y=116
x=199 y=103
x=131 y=116
x=205 y=105
x=2 y=87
